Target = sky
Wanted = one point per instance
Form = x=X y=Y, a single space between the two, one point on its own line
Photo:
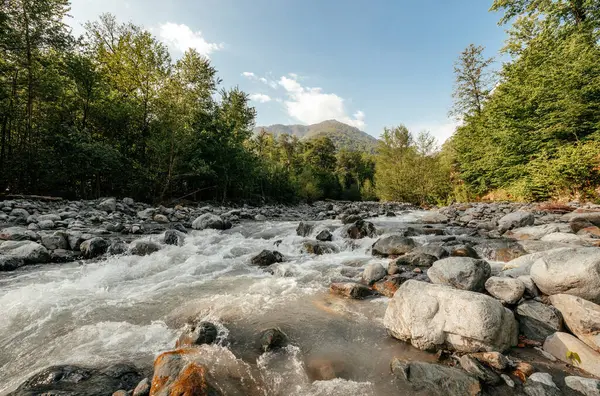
x=368 y=63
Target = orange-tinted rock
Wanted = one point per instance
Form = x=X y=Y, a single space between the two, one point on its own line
x=522 y=370
x=350 y=290
x=387 y=287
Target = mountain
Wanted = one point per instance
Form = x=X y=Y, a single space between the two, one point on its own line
x=342 y=135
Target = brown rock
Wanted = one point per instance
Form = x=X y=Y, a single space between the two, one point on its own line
x=493 y=359
x=350 y=290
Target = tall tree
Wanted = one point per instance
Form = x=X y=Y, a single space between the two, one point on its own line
x=473 y=82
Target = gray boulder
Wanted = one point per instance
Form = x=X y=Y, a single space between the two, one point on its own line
x=507 y=290
x=522 y=265
x=10 y=263
x=350 y=290
x=94 y=247
x=209 y=221
x=108 y=205
x=30 y=252
x=582 y=317
x=304 y=228
x=433 y=316
x=571 y=350
x=20 y=213
x=361 y=229
x=143 y=248
x=17 y=234
x=324 y=236
x=537 y=321
x=579 y=221
x=463 y=273
x=52 y=217
x=174 y=237
x=117 y=247
x=45 y=224
x=434 y=218
x=58 y=240
x=515 y=220
x=266 y=258
x=541 y=384
x=478 y=370
x=373 y=272
x=585 y=386
x=393 y=245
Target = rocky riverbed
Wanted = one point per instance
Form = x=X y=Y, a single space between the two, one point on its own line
x=118 y=297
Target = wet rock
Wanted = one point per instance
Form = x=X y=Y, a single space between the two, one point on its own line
x=435 y=379
x=361 y=229
x=161 y=218
x=20 y=213
x=463 y=251
x=350 y=290
x=266 y=258
x=515 y=220
x=413 y=259
x=389 y=286
x=117 y=247
x=45 y=224
x=17 y=234
x=143 y=248
x=319 y=248
x=585 y=386
x=571 y=271
x=541 y=384
x=176 y=373
x=209 y=221
x=372 y=273
x=393 y=245
x=460 y=272
x=570 y=350
x=537 y=321
x=108 y=205
x=324 y=369
x=10 y=263
x=58 y=240
x=29 y=252
x=94 y=247
x=304 y=228
x=81 y=381
x=272 y=339
x=432 y=317
x=581 y=317
x=507 y=290
x=478 y=370
x=432 y=250
x=495 y=360
x=349 y=219
x=434 y=218
x=324 y=236
x=174 y=237
x=202 y=333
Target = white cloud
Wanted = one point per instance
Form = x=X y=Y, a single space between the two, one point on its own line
x=249 y=75
x=312 y=105
x=441 y=130
x=181 y=38
x=254 y=77
x=260 y=98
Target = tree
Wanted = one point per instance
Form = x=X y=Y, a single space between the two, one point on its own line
x=473 y=82
x=557 y=11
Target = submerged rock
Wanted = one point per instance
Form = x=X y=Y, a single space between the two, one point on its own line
x=361 y=229
x=350 y=290
x=202 y=333
x=266 y=258
x=304 y=228
x=94 y=247
x=272 y=339
x=174 y=237
x=324 y=236
x=319 y=248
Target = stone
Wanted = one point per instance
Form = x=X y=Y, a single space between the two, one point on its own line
x=582 y=317
x=108 y=205
x=413 y=259
x=541 y=384
x=435 y=379
x=304 y=228
x=10 y=263
x=319 y=248
x=20 y=213
x=573 y=351
x=28 y=251
x=393 y=245
x=349 y=219
x=94 y=247
x=202 y=333
x=117 y=247
x=361 y=229
x=17 y=234
x=537 y=321
x=463 y=273
x=495 y=360
x=533 y=232
x=372 y=273
x=128 y=201
x=115 y=227
x=174 y=237
x=350 y=290
x=143 y=248
x=433 y=316
x=388 y=286
x=324 y=236
x=531 y=290
x=52 y=217
x=579 y=221
x=434 y=218
x=463 y=251
x=266 y=258
x=45 y=224
x=432 y=250
x=209 y=221
x=522 y=265
x=571 y=271
x=507 y=290
x=272 y=339
x=58 y=240
x=499 y=250
x=478 y=370
x=563 y=237
x=585 y=386
x=515 y=220
x=161 y=218
x=146 y=214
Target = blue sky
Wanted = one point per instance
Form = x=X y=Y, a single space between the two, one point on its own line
x=370 y=63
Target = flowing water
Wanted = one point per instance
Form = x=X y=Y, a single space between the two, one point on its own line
x=129 y=308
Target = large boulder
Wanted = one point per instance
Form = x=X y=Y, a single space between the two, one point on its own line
x=372 y=273
x=58 y=240
x=10 y=263
x=460 y=272
x=94 y=247
x=582 y=317
x=522 y=265
x=515 y=220
x=579 y=221
x=209 y=220
x=573 y=351
x=304 y=228
x=434 y=218
x=198 y=334
x=571 y=271
x=433 y=316
x=585 y=386
x=17 y=234
x=108 y=205
x=537 y=321
x=29 y=252
x=393 y=245
x=266 y=258
x=361 y=229
x=565 y=237
x=507 y=290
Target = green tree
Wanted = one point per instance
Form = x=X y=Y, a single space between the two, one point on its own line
x=473 y=81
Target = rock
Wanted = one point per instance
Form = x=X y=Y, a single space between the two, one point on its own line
x=174 y=237
x=537 y=321
x=499 y=250
x=80 y=381
x=63 y=256
x=463 y=251
x=350 y=219
x=563 y=237
x=115 y=227
x=350 y=290
x=202 y=333
x=117 y=247
x=581 y=317
x=507 y=380
x=388 y=287
x=143 y=388
x=579 y=221
x=29 y=252
x=146 y=214
x=304 y=228
x=434 y=218
x=260 y=217
x=143 y=248
x=160 y=218
x=570 y=350
x=108 y=205
x=534 y=232
x=272 y=339
x=515 y=220
x=531 y=290
x=393 y=245
x=432 y=317
x=372 y=273
x=45 y=224
x=495 y=360
x=266 y=258
x=20 y=213
x=436 y=380
x=541 y=384
x=476 y=369
x=128 y=201
x=522 y=265
x=120 y=393
x=585 y=386
x=361 y=229
x=10 y=263
x=209 y=221
x=324 y=236
x=52 y=217
x=58 y=240
x=507 y=290
x=17 y=234
x=94 y=247
x=571 y=271
x=460 y=272
x=319 y=248
x=413 y=259
x=432 y=250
